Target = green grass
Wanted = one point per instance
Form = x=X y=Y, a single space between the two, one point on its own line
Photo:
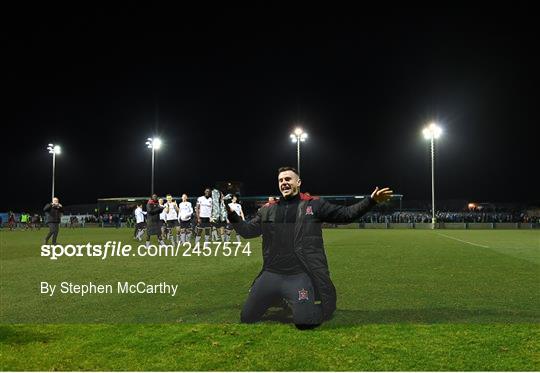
x=407 y=300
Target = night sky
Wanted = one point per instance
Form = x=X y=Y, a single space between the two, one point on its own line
x=224 y=88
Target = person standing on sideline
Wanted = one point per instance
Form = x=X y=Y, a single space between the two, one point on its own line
x=11 y=221
x=53 y=213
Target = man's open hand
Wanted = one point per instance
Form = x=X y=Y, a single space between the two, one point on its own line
x=381 y=195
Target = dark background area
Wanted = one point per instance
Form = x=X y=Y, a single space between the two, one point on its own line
x=223 y=88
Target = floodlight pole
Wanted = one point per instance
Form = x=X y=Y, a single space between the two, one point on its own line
x=53 y=149
x=152 y=186
x=431 y=133
x=298 y=155
x=53 y=173
x=433 y=221
x=298 y=136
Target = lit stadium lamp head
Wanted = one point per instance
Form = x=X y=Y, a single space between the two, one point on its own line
x=433 y=131
x=298 y=135
x=54 y=149
x=153 y=143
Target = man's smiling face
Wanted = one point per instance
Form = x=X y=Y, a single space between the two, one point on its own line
x=289 y=183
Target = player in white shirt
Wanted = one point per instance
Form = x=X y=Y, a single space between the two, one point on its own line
x=184 y=217
x=163 y=220
x=203 y=211
x=139 y=222
x=171 y=217
x=236 y=207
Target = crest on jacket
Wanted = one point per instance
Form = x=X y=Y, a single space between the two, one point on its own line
x=303 y=294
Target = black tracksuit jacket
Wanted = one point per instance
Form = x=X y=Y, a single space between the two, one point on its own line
x=53 y=213
x=306 y=235
x=153 y=209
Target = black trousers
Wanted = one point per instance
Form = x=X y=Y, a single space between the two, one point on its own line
x=138 y=227
x=53 y=232
x=297 y=290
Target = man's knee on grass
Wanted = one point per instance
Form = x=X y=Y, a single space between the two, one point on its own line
x=307 y=316
x=306 y=326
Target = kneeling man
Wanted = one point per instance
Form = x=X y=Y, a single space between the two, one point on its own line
x=294 y=261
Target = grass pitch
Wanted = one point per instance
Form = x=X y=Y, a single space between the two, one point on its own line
x=407 y=300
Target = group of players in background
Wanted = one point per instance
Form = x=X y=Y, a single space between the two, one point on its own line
x=169 y=220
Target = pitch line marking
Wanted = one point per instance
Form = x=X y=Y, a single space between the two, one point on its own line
x=457 y=239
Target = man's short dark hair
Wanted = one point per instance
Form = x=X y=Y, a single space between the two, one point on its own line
x=287 y=168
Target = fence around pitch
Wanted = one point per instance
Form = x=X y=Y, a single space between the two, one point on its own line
x=438 y=226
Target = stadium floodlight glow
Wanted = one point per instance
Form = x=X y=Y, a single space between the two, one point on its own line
x=432 y=132
x=53 y=149
x=153 y=143
x=297 y=137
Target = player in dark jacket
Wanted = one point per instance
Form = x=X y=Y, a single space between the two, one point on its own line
x=153 y=226
x=294 y=261
x=53 y=215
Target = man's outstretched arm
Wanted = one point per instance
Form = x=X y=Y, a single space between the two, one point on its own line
x=247 y=229
x=331 y=213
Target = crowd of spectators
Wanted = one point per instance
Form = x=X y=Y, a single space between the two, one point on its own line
x=449 y=217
